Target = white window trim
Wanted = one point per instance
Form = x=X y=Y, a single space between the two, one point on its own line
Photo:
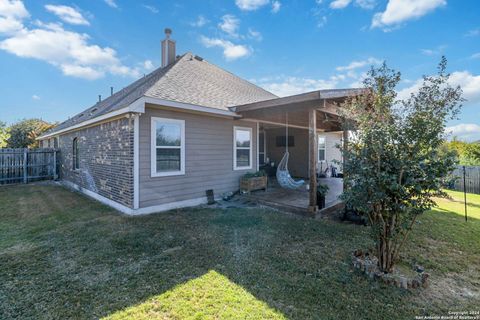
x=235 y=167
x=153 y=148
x=318 y=149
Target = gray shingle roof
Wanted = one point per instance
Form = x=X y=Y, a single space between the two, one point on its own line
x=189 y=79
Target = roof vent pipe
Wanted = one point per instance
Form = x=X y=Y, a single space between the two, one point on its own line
x=111 y=91
x=99 y=98
x=168 y=49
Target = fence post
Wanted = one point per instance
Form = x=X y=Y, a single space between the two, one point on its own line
x=55 y=175
x=25 y=167
x=465 y=192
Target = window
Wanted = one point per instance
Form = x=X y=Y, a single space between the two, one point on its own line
x=75 y=157
x=321 y=149
x=261 y=148
x=242 y=151
x=168 y=147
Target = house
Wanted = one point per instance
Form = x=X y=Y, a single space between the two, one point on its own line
x=187 y=127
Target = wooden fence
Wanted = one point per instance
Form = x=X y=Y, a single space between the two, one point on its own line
x=27 y=165
x=472 y=179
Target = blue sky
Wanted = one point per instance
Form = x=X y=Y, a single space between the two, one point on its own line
x=57 y=56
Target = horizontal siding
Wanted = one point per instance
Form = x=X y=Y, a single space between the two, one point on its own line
x=208 y=158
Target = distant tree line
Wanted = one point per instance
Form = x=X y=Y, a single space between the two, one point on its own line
x=467 y=153
x=23 y=133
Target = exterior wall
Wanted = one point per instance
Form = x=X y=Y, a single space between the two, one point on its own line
x=298 y=162
x=106 y=160
x=208 y=158
x=331 y=151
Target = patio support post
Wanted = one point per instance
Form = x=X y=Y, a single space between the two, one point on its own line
x=345 y=147
x=313 y=149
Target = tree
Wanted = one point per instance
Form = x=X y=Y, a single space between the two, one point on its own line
x=24 y=133
x=4 y=134
x=393 y=164
x=468 y=154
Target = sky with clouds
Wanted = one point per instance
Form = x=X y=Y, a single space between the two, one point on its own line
x=57 y=56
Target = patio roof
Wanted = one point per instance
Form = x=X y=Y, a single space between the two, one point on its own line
x=297 y=107
x=311 y=99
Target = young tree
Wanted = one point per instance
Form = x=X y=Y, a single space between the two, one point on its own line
x=24 y=133
x=4 y=134
x=393 y=166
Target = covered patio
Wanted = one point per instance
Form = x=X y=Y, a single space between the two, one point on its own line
x=305 y=118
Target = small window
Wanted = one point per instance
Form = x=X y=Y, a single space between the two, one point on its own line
x=321 y=148
x=242 y=156
x=168 y=147
x=75 y=156
x=261 y=148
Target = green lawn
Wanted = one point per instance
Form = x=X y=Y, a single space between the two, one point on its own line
x=65 y=256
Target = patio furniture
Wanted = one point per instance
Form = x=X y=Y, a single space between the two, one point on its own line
x=283 y=176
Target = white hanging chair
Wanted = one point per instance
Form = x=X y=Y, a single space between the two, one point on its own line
x=283 y=176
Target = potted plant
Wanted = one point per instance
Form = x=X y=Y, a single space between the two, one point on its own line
x=253 y=181
x=321 y=193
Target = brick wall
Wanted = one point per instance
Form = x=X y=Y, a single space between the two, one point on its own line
x=105 y=160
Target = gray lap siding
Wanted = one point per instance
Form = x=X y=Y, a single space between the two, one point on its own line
x=105 y=159
x=208 y=158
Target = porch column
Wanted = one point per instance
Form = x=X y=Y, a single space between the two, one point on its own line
x=345 y=147
x=313 y=148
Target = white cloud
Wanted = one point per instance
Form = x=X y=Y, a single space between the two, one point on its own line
x=12 y=13
x=473 y=33
x=67 y=14
x=150 y=8
x=252 y=34
x=250 y=5
x=35 y=97
x=111 y=3
x=433 y=52
x=469 y=83
x=200 y=22
x=366 y=4
x=276 y=6
x=322 y=21
x=230 y=25
x=285 y=86
x=339 y=4
x=148 y=65
x=464 y=131
x=359 y=64
x=398 y=11
x=475 y=56
x=230 y=51
x=69 y=51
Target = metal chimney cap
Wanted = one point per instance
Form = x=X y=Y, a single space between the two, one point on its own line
x=168 y=32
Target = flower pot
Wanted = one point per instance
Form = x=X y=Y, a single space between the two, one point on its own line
x=320 y=200
x=253 y=183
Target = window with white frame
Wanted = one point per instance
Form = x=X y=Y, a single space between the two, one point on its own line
x=168 y=147
x=261 y=148
x=321 y=148
x=242 y=151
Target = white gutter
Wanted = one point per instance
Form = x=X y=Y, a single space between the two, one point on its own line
x=138 y=106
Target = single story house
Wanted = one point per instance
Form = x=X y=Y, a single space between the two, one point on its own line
x=187 y=127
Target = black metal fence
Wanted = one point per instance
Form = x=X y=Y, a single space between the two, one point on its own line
x=27 y=165
x=470 y=183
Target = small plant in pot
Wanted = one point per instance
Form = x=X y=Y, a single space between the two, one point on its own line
x=321 y=193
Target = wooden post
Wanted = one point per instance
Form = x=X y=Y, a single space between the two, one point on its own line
x=345 y=147
x=55 y=174
x=313 y=142
x=25 y=167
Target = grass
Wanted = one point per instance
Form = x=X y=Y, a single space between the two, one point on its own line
x=65 y=256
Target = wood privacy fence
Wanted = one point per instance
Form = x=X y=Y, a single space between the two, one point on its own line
x=472 y=179
x=26 y=165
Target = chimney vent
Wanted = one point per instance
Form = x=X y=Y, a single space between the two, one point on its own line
x=111 y=91
x=99 y=98
x=168 y=49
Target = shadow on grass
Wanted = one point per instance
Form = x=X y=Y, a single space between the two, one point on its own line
x=70 y=257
